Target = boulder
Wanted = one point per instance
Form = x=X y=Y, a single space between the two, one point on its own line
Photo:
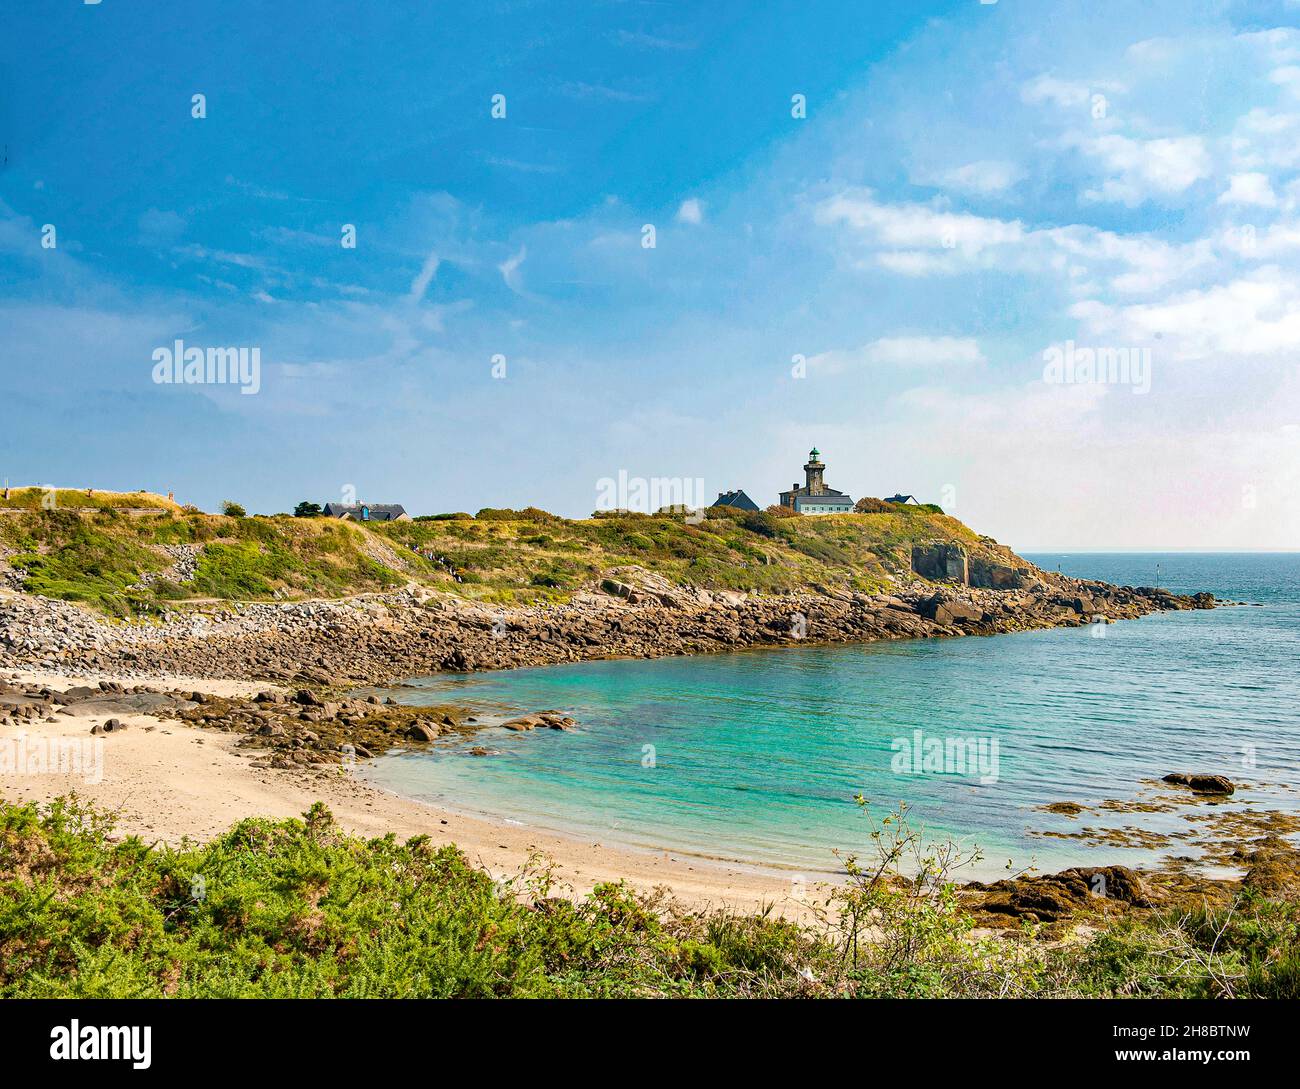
x=421 y=731
x=950 y=611
x=941 y=560
x=1202 y=783
x=1054 y=897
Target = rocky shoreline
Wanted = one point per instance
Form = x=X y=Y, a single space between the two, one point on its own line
x=376 y=638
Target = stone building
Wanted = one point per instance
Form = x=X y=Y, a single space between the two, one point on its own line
x=815 y=497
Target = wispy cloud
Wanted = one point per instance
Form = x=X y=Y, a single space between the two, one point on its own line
x=424 y=277
x=510 y=270
x=691 y=211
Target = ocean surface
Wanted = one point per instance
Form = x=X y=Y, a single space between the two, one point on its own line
x=757 y=757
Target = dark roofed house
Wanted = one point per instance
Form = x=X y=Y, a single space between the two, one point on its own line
x=737 y=499
x=367 y=512
x=903 y=499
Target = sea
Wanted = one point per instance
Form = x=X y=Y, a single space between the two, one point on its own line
x=788 y=759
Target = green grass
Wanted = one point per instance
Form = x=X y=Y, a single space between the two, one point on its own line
x=98 y=555
x=40 y=498
x=75 y=558
x=295 y=908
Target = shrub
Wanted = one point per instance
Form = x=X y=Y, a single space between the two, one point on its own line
x=764 y=524
x=868 y=505
x=528 y=514
x=232 y=509
x=734 y=513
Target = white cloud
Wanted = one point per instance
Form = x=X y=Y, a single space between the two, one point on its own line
x=1249 y=189
x=905 y=351
x=510 y=270
x=985 y=177
x=920 y=240
x=1287 y=77
x=1144 y=170
x=915 y=226
x=424 y=277
x=1146 y=264
x=1255 y=316
x=691 y=211
x=1264 y=139
x=1063 y=93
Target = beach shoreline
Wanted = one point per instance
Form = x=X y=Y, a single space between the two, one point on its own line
x=166 y=778
x=166 y=781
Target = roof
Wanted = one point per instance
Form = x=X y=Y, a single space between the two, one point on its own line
x=837 y=500
x=737 y=499
x=373 y=512
x=802 y=491
x=902 y=499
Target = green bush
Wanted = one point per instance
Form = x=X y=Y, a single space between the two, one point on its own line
x=297 y=908
x=868 y=505
x=764 y=524
x=505 y=514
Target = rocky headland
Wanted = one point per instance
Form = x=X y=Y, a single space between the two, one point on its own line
x=631 y=613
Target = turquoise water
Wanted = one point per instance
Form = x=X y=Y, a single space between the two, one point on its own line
x=757 y=756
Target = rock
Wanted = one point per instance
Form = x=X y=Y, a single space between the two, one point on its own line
x=1201 y=783
x=1055 y=897
x=370 y=638
x=422 y=731
x=1068 y=809
x=1273 y=869
x=941 y=560
x=950 y=611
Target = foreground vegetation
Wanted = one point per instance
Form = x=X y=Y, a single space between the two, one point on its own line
x=111 y=556
x=297 y=909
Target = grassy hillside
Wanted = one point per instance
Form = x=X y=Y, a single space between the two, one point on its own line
x=297 y=909
x=129 y=563
x=83 y=499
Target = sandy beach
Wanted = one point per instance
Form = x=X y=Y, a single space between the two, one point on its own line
x=167 y=781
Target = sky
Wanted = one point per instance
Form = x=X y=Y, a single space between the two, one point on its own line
x=665 y=242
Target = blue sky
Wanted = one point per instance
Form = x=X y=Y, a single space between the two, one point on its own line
x=972 y=185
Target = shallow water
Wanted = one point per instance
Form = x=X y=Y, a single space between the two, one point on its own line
x=758 y=756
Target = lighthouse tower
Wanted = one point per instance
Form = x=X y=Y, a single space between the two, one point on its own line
x=812 y=471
